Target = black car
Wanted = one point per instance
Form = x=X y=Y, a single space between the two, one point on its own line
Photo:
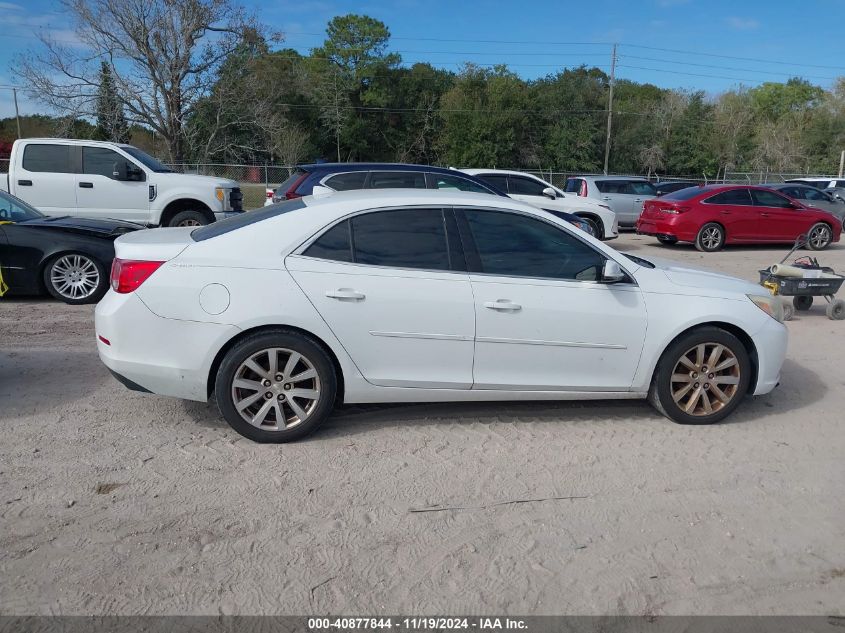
x=68 y=257
x=349 y=176
x=668 y=186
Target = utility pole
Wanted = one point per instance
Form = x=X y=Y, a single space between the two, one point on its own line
x=610 y=108
x=17 y=114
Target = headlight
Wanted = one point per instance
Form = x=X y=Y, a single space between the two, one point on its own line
x=768 y=304
x=220 y=193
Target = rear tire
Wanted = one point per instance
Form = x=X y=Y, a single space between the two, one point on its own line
x=281 y=400
x=819 y=236
x=688 y=390
x=710 y=238
x=189 y=218
x=802 y=303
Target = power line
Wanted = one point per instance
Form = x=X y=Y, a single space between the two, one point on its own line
x=678 y=72
x=749 y=70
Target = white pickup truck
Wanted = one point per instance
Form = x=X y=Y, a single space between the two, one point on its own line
x=110 y=180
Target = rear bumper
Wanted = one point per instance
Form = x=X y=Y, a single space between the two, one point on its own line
x=149 y=353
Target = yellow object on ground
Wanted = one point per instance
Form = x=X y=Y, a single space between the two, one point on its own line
x=3 y=287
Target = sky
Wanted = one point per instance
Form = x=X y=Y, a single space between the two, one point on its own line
x=709 y=45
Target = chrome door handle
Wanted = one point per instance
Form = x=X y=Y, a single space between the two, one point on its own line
x=607 y=198
x=503 y=305
x=765 y=215
x=345 y=294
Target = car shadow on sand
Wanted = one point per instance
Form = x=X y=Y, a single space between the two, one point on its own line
x=799 y=388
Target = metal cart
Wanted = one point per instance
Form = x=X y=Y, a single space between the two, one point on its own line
x=803 y=289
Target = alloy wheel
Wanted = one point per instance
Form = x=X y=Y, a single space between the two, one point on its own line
x=75 y=277
x=190 y=222
x=819 y=237
x=276 y=389
x=711 y=237
x=705 y=379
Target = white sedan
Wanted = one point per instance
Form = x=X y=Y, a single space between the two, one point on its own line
x=539 y=193
x=423 y=296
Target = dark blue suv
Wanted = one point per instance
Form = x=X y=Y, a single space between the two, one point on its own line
x=349 y=176
x=346 y=176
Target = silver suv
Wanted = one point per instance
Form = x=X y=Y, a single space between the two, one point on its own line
x=622 y=194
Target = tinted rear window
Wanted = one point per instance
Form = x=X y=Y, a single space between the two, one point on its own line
x=573 y=185
x=335 y=244
x=347 y=182
x=407 y=238
x=246 y=218
x=287 y=184
x=733 y=196
x=683 y=194
x=499 y=181
x=47 y=158
x=397 y=180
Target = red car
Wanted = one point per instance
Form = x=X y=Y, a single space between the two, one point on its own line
x=714 y=215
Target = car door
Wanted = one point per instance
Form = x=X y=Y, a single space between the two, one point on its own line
x=735 y=211
x=818 y=199
x=612 y=193
x=46 y=178
x=392 y=286
x=544 y=321
x=778 y=218
x=101 y=195
x=639 y=191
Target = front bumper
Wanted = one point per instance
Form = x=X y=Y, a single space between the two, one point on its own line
x=771 y=342
x=168 y=357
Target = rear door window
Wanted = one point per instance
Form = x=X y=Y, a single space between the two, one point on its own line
x=638 y=188
x=573 y=185
x=347 y=182
x=47 y=158
x=404 y=238
x=500 y=181
x=335 y=244
x=397 y=180
x=733 y=196
x=612 y=186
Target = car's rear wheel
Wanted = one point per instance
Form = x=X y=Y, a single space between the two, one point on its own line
x=710 y=238
x=701 y=377
x=189 y=218
x=276 y=386
x=819 y=236
x=76 y=278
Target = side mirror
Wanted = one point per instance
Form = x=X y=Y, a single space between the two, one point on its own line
x=550 y=193
x=120 y=170
x=612 y=273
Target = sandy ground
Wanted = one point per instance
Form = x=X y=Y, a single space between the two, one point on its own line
x=121 y=503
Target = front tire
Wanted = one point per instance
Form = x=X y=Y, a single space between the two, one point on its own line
x=276 y=386
x=188 y=218
x=595 y=225
x=701 y=377
x=819 y=236
x=76 y=278
x=710 y=238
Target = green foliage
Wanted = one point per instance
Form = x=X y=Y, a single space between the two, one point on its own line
x=111 y=121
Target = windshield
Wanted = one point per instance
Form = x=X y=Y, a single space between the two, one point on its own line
x=14 y=210
x=148 y=161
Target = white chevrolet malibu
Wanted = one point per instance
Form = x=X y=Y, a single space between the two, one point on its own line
x=423 y=296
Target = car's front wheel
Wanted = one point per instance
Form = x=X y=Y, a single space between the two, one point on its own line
x=276 y=386
x=189 y=218
x=595 y=226
x=819 y=236
x=76 y=278
x=701 y=377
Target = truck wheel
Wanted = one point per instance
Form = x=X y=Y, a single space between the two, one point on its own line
x=188 y=218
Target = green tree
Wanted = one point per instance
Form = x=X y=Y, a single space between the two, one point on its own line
x=111 y=120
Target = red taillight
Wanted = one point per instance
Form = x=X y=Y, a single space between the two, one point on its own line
x=290 y=194
x=582 y=190
x=104 y=339
x=128 y=274
x=269 y=194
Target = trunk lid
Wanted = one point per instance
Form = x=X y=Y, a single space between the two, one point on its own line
x=153 y=244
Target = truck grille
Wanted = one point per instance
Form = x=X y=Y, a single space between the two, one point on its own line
x=236 y=199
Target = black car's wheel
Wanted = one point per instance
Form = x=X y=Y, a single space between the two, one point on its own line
x=667 y=240
x=710 y=238
x=76 y=278
x=189 y=218
x=701 y=377
x=276 y=386
x=595 y=226
x=802 y=303
x=819 y=236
